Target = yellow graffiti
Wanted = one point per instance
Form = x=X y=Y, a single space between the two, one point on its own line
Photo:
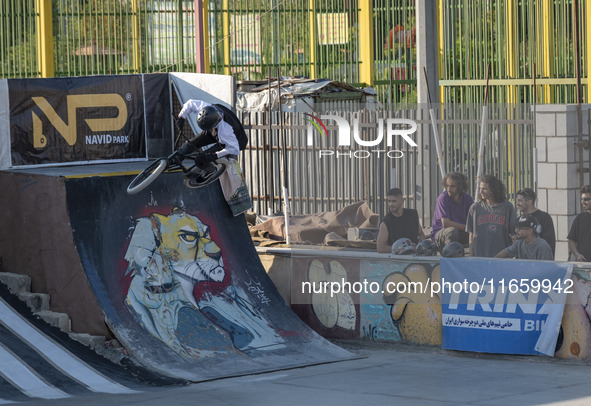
x=416 y=314
x=74 y=102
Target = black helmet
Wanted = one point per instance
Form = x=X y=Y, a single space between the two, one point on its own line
x=426 y=248
x=452 y=250
x=403 y=246
x=208 y=118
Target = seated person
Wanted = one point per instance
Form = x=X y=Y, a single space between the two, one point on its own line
x=527 y=245
x=398 y=223
x=451 y=211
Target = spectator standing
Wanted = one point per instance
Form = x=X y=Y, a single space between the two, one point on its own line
x=490 y=220
x=526 y=200
x=579 y=235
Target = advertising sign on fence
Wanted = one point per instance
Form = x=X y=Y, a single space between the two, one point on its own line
x=65 y=120
x=503 y=306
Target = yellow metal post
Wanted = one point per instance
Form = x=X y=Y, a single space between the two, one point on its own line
x=511 y=73
x=510 y=46
x=313 y=38
x=226 y=33
x=366 y=42
x=45 y=39
x=547 y=48
x=136 y=38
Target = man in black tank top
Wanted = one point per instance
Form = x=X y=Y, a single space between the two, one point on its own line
x=398 y=223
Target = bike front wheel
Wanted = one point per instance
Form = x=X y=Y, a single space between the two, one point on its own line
x=147 y=176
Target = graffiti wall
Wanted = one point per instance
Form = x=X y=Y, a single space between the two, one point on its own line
x=332 y=314
x=399 y=311
x=392 y=299
x=574 y=339
x=349 y=298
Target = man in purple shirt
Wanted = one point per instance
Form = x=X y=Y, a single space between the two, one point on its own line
x=451 y=211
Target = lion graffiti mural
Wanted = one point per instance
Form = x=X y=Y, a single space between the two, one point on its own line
x=167 y=256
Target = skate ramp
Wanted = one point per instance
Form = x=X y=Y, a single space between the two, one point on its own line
x=180 y=282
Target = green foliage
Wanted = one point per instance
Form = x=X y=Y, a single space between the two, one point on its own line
x=20 y=61
x=93 y=36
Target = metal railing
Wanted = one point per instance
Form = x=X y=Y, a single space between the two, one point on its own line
x=535 y=51
x=18 y=44
x=531 y=50
x=328 y=183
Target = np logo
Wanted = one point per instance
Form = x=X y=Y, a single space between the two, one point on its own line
x=74 y=102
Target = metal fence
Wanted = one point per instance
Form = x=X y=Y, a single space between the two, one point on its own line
x=321 y=176
x=533 y=51
x=330 y=182
x=18 y=47
x=315 y=38
x=395 y=70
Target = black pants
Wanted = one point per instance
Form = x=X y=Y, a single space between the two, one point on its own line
x=206 y=138
x=449 y=234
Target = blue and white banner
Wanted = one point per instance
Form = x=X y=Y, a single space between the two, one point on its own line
x=503 y=306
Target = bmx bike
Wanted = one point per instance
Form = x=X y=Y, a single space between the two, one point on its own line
x=175 y=163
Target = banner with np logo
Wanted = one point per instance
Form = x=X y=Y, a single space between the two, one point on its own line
x=503 y=306
x=79 y=119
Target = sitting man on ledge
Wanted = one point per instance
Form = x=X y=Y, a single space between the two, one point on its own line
x=527 y=245
x=451 y=211
x=398 y=223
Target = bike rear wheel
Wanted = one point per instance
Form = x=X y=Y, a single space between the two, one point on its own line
x=147 y=176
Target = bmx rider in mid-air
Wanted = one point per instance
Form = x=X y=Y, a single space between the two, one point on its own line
x=215 y=130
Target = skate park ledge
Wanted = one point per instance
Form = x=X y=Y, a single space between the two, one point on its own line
x=357 y=310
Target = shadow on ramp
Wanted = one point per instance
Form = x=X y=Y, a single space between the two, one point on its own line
x=181 y=283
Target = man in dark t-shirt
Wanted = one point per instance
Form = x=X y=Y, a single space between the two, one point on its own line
x=398 y=223
x=526 y=200
x=579 y=236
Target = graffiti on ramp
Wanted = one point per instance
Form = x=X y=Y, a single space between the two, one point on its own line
x=180 y=281
x=168 y=257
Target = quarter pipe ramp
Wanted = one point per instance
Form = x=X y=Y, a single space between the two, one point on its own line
x=176 y=275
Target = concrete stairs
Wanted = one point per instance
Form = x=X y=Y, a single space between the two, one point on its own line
x=39 y=303
x=20 y=285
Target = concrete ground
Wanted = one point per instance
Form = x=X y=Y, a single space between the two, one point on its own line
x=387 y=374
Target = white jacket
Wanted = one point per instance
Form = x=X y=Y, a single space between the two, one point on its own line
x=225 y=131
